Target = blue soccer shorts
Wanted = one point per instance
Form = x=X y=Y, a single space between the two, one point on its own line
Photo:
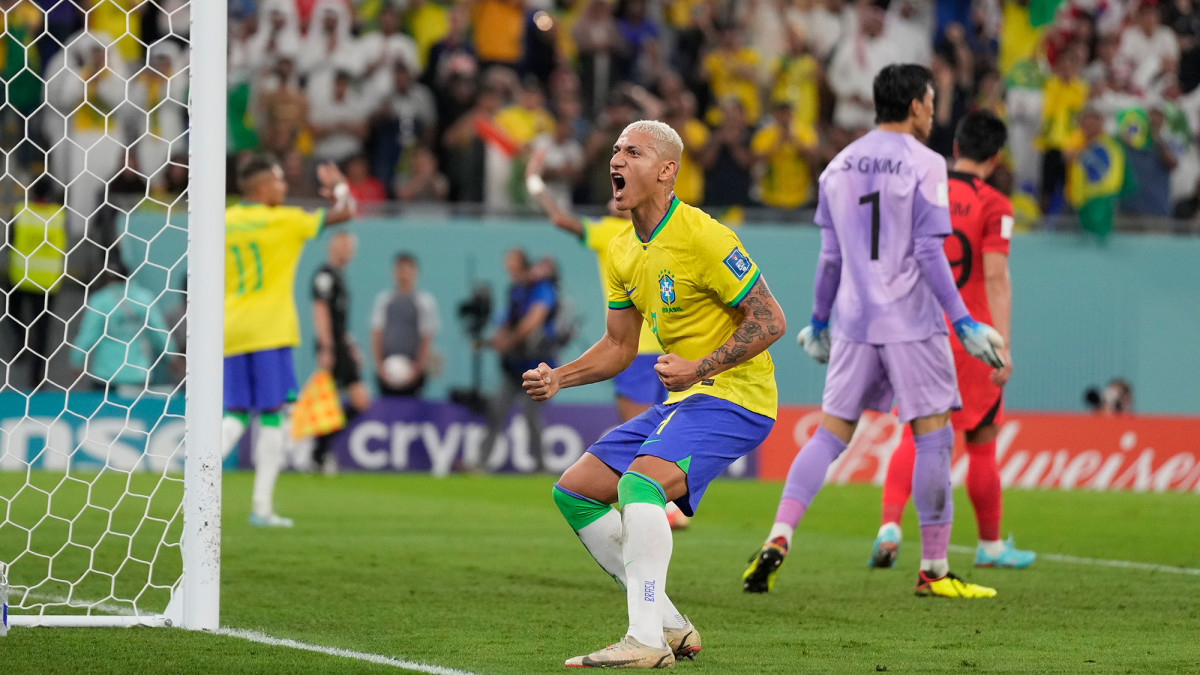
x=639 y=383
x=262 y=381
x=701 y=434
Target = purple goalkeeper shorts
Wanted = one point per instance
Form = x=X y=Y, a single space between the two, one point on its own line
x=918 y=375
x=639 y=383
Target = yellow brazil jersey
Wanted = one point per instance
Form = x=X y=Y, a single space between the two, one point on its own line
x=262 y=246
x=686 y=281
x=597 y=235
x=787 y=182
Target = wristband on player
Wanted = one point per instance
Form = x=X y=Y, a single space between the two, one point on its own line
x=535 y=184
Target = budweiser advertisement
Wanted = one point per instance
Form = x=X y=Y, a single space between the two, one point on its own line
x=1034 y=450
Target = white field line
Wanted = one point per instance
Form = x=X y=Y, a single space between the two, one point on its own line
x=261 y=638
x=1100 y=562
x=265 y=639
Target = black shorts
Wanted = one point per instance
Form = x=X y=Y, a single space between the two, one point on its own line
x=345 y=368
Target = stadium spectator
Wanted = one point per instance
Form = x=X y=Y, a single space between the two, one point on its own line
x=796 y=77
x=1149 y=49
x=515 y=127
x=366 y=189
x=1150 y=158
x=681 y=116
x=159 y=119
x=521 y=341
x=422 y=181
x=86 y=89
x=823 y=24
x=406 y=119
x=785 y=153
x=282 y=109
x=277 y=35
x=37 y=248
x=427 y=21
x=1115 y=399
x=498 y=29
x=728 y=160
x=601 y=49
x=328 y=48
x=1064 y=95
x=404 y=322
x=337 y=353
x=731 y=70
x=1097 y=176
x=448 y=55
x=563 y=163
x=381 y=50
x=853 y=67
x=641 y=36
x=619 y=111
x=338 y=121
x=20 y=85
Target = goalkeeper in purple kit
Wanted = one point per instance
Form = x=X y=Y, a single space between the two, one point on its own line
x=883 y=279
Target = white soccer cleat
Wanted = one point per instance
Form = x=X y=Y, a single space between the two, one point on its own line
x=684 y=642
x=270 y=520
x=628 y=653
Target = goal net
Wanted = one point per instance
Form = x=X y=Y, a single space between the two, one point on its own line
x=112 y=189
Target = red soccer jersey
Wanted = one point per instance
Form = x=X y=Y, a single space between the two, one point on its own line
x=982 y=218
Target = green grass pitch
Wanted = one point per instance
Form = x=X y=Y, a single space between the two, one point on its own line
x=481 y=574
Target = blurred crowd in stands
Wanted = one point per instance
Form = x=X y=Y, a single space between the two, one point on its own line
x=425 y=100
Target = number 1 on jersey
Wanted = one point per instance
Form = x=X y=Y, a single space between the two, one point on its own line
x=873 y=200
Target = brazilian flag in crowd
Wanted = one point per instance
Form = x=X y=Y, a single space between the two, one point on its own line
x=1097 y=177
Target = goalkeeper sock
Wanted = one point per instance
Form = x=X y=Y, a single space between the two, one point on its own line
x=599 y=528
x=807 y=475
x=931 y=494
x=268 y=460
x=233 y=425
x=647 y=552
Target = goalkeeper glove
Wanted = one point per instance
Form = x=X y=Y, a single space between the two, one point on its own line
x=980 y=340
x=814 y=339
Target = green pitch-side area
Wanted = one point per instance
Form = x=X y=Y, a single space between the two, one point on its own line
x=481 y=574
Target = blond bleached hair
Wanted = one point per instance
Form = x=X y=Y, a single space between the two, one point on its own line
x=667 y=142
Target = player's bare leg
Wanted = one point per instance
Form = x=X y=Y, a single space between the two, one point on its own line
x=583 y=495
x=804 y=480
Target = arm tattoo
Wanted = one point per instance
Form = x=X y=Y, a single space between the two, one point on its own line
x=759 y=324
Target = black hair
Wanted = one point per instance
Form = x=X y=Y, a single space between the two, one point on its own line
x=405 y=257
x=980 y=135
x=255 y=165
x=896 y=87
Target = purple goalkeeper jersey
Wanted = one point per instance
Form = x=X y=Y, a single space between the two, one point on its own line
x=877 y=197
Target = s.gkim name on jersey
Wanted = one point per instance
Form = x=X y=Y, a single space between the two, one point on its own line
x=872 y=164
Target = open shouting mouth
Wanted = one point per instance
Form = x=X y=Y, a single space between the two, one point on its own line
x=618 y=182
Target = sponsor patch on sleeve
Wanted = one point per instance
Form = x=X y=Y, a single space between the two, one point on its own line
x=943 y=193
x=738 y=263
x=1006 y=226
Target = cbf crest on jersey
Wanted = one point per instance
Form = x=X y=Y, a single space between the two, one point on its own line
x=738 y=263
x=666 y=287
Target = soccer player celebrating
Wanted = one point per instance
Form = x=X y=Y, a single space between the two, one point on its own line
x=883 y=212
x=978 y=253
x=712 y=313
x=637 y=387
x=263 y=242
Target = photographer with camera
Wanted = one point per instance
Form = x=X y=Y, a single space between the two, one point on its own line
x=526 y=337
x=403 y=325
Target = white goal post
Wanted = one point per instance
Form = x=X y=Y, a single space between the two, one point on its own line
x=108 y=520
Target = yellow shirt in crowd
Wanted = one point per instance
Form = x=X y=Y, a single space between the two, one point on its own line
x=787 y=182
